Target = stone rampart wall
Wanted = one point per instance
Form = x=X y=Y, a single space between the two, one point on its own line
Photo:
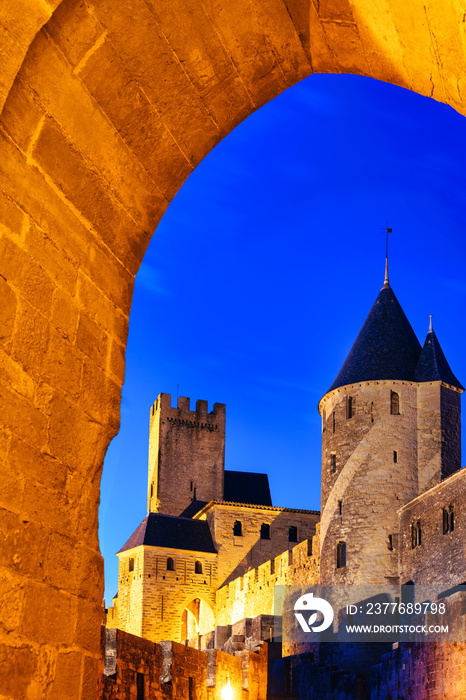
x=175 y=672
x=253 y=594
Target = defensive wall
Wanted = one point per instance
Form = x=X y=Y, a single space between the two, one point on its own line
x=252 y=595
x=137 y=668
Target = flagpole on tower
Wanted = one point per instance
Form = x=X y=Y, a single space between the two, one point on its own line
x=386 y=282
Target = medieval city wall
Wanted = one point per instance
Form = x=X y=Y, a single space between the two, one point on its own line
x=433 y=670
x=439 y=558
x=252 y=595
x=176 y=672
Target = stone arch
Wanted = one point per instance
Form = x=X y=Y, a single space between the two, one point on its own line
x=197 y=618
x=106 y=109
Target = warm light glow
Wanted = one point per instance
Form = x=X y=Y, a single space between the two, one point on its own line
x=227 y=692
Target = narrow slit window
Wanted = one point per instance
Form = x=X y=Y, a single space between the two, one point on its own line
x=395 y=456
x=394 y=403
x=448 y=520
x=350 y=406
x=341 y=555
x=333 y=463
x=131 y=564
x=372 y=412
x=390 y=543
x=416 y=535
x=293 y=534
x=333 y=421
x=238 y=528
x=340 y=507
x=140 y=686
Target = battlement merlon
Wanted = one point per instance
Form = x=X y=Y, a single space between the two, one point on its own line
x=163 y=406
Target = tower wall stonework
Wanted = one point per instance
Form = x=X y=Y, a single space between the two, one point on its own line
x=439 y=432
x=186 y=454
x=374 y=472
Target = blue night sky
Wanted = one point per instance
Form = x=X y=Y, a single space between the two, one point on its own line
x=265 y=266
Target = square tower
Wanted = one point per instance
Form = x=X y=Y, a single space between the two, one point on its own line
x=186 y=454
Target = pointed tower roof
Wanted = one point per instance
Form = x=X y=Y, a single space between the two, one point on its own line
x=433 y=365
x=386 y=347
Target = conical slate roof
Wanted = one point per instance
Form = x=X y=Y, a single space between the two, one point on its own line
x=433 y=365
x=386 y=347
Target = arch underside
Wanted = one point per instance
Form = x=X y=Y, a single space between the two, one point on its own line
x=106 y=109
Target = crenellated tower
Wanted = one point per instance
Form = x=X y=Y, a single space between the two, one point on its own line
x=186 y=454
x=391 y=429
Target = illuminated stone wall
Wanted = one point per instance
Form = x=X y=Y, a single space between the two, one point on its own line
x=176 y=672
x=440 y=558
x=253 y=594
x=107 y=108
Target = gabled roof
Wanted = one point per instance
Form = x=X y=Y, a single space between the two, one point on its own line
x=172 y=532
x=433 y=365
x=247 y=487
x=386 y=347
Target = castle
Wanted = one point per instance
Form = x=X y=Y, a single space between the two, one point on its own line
x=213 y=546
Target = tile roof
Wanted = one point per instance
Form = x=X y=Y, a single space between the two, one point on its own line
x=247 y=487
x=433 y=365
x=172 y=532
x=386 y=347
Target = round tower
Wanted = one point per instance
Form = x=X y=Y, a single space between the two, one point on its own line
x=373 y=432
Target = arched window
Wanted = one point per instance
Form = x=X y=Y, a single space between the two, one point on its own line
x=416 y=535
x=293 y=534
x=198 y=567
x=265 y=531
x=170 y=564
x=238 y=528
x=350 y=406
x=341 y=555
x=394 y=403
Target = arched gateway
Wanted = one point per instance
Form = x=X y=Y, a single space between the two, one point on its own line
x=107 y=108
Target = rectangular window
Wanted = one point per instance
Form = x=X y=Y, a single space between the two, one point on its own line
x=416 y=535
x=333 y=463
x=265 y=531
x=293 y=534
x=131 y=564
x=350 y=406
